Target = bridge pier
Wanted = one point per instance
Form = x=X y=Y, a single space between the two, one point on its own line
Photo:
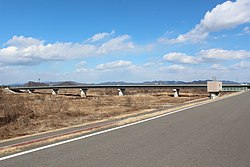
x=121 y=92
x=214 y=95
x=83 y=92
x=30 y=91
x=54 y=91
x=176 y=92
x=7 y=90
x=26 y=91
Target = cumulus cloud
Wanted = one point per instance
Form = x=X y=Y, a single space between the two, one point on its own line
x=242 y=65
x=119 y=70
x=221 y=54
x=100 y=36
x=207 y=56
x=153 y=63
x=29 y=51
x=177 y=57
x=119 y=43
x=129 y=73
x=174 y=68
x=81 y=64
x=224 y=16
x=218 y=67
x=114 y=65
x=247 y=30
x=82 y=69
x=21 y=41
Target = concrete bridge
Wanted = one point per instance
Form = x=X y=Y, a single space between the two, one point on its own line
x=121 y=88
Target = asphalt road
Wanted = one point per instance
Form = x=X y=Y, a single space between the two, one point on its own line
x=215 y=134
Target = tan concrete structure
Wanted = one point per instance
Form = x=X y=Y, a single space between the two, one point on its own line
x=214 y=88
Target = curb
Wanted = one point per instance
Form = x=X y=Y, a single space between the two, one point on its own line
x=54 y=136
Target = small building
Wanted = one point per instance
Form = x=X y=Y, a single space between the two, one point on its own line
x=214 y=88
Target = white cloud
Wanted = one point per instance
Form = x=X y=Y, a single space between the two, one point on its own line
x=242 y=65
x=177 y=57
x=100 y=36
x=208 y=56
x=247 y=30
x=81 y=64
x=118 y=43
x=221 y=54
x=174 y=68
x=227 y=15
x=29 y=51
x=120 y=70
x=153 y=64
x=224 y=16
x=114 y=65
x=127 y=73
x=149 y=64
x=218 y=67
x=21 y=41
x=82 y=69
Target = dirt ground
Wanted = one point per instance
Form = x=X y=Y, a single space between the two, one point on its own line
x=23 y=114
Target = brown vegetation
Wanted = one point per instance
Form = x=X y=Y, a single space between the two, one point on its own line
x=23 y=114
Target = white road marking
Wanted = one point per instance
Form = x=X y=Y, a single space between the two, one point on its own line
x=98 y=133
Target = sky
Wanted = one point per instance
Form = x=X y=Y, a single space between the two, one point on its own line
x=93 y=41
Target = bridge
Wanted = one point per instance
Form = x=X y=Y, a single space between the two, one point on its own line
x=212 y=134
x=121 y=88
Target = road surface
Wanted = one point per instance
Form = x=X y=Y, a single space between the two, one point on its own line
x=215 y=134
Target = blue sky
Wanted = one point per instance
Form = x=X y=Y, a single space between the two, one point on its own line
x=124 y=40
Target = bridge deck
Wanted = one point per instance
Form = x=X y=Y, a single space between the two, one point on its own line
x=226 y=87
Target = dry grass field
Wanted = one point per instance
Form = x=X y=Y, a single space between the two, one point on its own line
x=23 y=114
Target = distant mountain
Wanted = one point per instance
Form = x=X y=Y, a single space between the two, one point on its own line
x=198 y=82
x=63 y=83
x=31 y=83
x=116 y=83
x=205 y=82
x=15 y=85
x=68 y=83
x=163 y=82
x=230 y=82
x=143 y=83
